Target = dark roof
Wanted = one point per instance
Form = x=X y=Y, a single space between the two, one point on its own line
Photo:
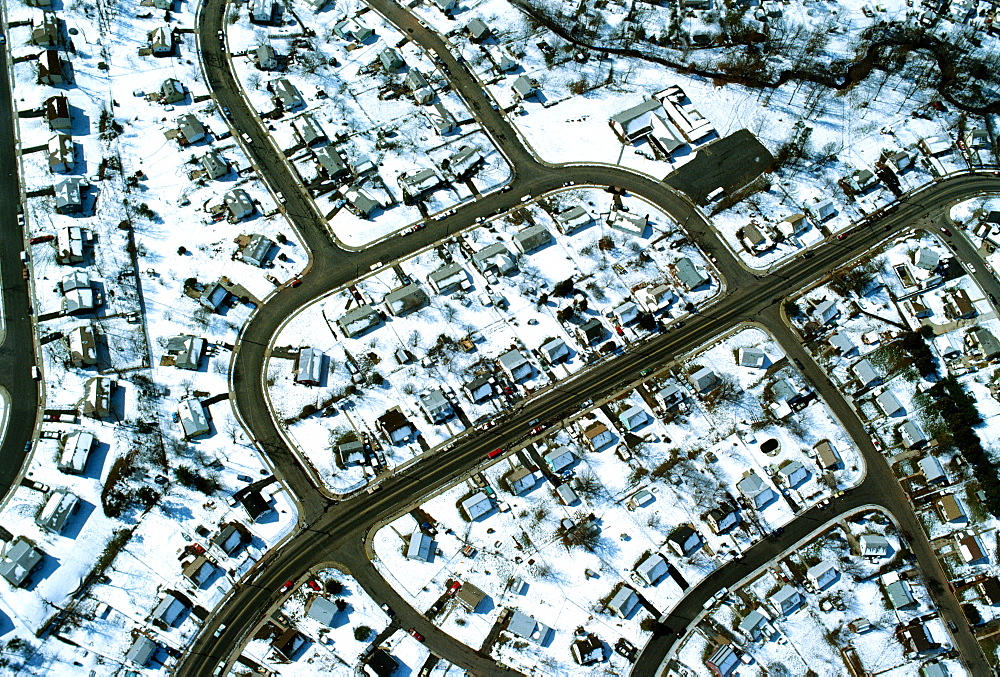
x=991 y=589
x=393 y=420
x=254 y=504
x=382 y=663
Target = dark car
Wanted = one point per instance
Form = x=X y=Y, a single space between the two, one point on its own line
x=947 y=233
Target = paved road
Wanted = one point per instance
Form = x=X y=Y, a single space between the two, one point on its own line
x=334 y=532
x=17 y=350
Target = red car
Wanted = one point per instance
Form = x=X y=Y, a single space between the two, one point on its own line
x=946 y=232
x=453 y=588
x=41 y=238
x=286 y=587
x=296 y=282
x=842 y=236
x=494 y=453
x=416 y=635
x=313 y=585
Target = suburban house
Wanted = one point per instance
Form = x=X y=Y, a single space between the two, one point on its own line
x=983 y=342
x=591 y=332
x=391 y=60
x=873 y=546
x=480 y=388
x=262 y=12
x=264 y=58
x=331 y=163
x=404 y=299
x=465 y=163
x=255 y=505
x=186 y=351
x=360 y=202
x=989 y=588
x=841 y=342
x=74 y=452
x=238 y=203
x=670 y=397
x=381 y=663
x=723 y=661
x=436 y=405
x=61 y=153
x=654 y=298
x=45 y=30
x=230 y=538
x=477 y=30
x=756 y=490
x=515 y=365
x=793 y=225
x=822 y=575
x=723 y=518
x=50 y=68
x=704 y=379
x=898 y=592
x=70 y=244
x=160 y=41
x=628 y=223
x=827 y=456
x=352 y=29
x=169 y=610
x=309 y=130
x=751 y=357
x=309 y=367
x=193 y=417
x=787 y=599
x=523 y=88
x=20 y=558
x=531 y=238
x=415 y=80
x=350 y=453
x=526 y=627
x=520 y=480
x=477 y=505
x=573 y=219
x=415 y=186
x=559 y=459
x=288 y=644
x=256 y=250
x=652 y=568
x=57 y=113
x=395 y=426
x=689 y=275
x=598 y=436
x=754 y=240
x=755 y=625
x=214 y=165
x=888 y=403
x=447 y=278
x=626 y=313
x=285 y=94
x=213 y=296
x=957 y=304
x=925 y=258
x=142 y=651
x=78 y=295
x=826 y=311
x=494 y=258
x=321 y=610
x=588 y=650
x=555 y=350
x=421 y=546
x=56 y=511
x=932 y=470
x=793 y=473
x=358 y=321
x=821 y=210
x=96 y=401
x=172 y=91
x=970 y=549
x=623 y=603
x=866 y=374
x=950 y=509
x=912 y=435
x=566 y=494
x=633 y=417
x=684 y=540
x=189 y=129
x=440 y=118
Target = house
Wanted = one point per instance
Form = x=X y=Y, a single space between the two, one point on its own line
x=623 y=603
x=415 y=80
x=654 y=298
x=822 y=574
x=626 y=313
x=723 y=518
x=50 y=68
x=360 y=202
x=925 y=258
x=213 y=296
x=45 y=30
x=75 y=452
x=67 y=196
x=395 y=426
x=755 y=624
x=358 y=321
x=238 y=203
x=793 y=225
x=704 y=379
x=724 y=661
x=477 y=505
x=821 y=210
x=794 y=473
x=61 y=153
x=214 y=165
x=262 y=11
x=932 y=471
x=873 y=546
x=96 y=401
x=841 y=342
x=352 y=29
x=628 y=223
x=559 y=459
x=230 y=538
x=861 y=180
x=257 y=250
x=441 y=118
x=751 y=357
x=331 y=163
x=526 y=627
x=186 y=351
x=957 y=304
x=172 y=91
x=639 y=499
x=309 y=367
x=827 y=311
x=289 y=643
x=566 y=494
x=588 y=650
x=480 y=388
x=555 y=350
x=390 y=59
x=57 y=113
x=19 y=560
x=309 y=130
x=285 y=94
x=689 y=275
x=531 y=238
x=255 y=505
x=970 y=549
x=671 y=397
x=951 y=510
x=447 y=278
x=421 y=546
x=170 y=609
x=983 y=340
x=436 y=405
x=78 y=296
x=652 y=568
x=494 y=258
x=350 y=453
x=470 y=596
x=989 y=587
x=916 y=638
x=58 y=508
x=419 y=184
x=264 y=58
x=321 y=610
x=917 y=307
x=912 y=435
x=381 y=663
x=142 y=651
x=70 y=243
x=189 y=129
x=754 y=240
x=520 y=480
x=446 y=6
x=573 y=219
x=82 y=346
x=827 y=456
x=756 y=490
x=598 y=436
x=515 y=365
x=465 y=163
x=977 y=139
x=888 y=403
x=193 y=417
x=160 y=41
x=477 y=30
x=865 y=373
x=523 y=88
x=684 y=540
x=787 y=599
x=404 y=299
x=898 y=592
x=633 y=417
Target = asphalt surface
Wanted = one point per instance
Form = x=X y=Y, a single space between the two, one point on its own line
x=336 y=532
x=17 y=349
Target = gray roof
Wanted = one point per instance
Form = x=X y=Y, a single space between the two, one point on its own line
x=689 y=275
x=19 y=560
x=493 y=256
x=435 y=404
x=421 y=546
x=532 y=238
x=624 y=601
x=57 y=509
x=527 y=627
x=358 y=320
x=652 y=568
x=405 y=299
x=193 y=417
x=256 y=250
x=477 y=505
x=141 y=651
x=866 y=372
x=169 y=609
x=515 y=364
x=559 y=458
x=214 y=164
x=899 y=594
x=329 y=159
x=753 y=622
x=321 y=609
x=187 y=351
x=555 y=349
x=447 y=277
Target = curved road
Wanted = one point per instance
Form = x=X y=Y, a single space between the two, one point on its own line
x=336 y=532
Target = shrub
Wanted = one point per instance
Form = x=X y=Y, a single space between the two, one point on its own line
x=334 y=587
x=362 y=633
x=188 y=477
x=563 y=288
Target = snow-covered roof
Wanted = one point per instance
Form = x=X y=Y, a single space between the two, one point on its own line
x=866 y=373
x=515 y=364
x=309 y=366
x=193 y=417
x=531 y=238
x=477 y=505
x=57 y=509
x=321 y=609
x=447 y=277
x=75 y=452
x=421 y=546
x=753 y=622
x=899 y=594
x=360 y=319
x=888 y=403
x=873 y=545
x=624 y=602
x=752 y=357
x=652 y=568
x=633 y=417
x=822 y=573
x=526 y=627
x=689 y=275
x=169 y=609
x=19 y=560
x=141 y=651
x=786 y=598
x=931 y=468
x=912 y=434
x=555 y=349
x=559 y=458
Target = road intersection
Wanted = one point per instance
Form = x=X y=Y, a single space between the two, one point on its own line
x=338 y=531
